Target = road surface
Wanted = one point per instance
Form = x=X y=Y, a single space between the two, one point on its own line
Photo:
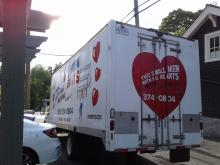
x=159 y=158
x=196 y=158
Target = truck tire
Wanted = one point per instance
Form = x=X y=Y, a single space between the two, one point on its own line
x=72 y=147
x=179 y=155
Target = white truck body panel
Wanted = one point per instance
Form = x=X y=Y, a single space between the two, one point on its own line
x=148 y=80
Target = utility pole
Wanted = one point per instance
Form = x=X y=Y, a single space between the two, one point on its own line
x=27 y=84
x=14 y=15
x=136 y=14
x=27 y=81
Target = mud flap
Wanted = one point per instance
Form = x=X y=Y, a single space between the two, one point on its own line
x=180 y=155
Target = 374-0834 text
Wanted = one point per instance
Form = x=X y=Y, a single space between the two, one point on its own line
x=161 y=98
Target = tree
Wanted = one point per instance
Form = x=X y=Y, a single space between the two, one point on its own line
x=40 y=85
x=178 y=21
x=57 y=66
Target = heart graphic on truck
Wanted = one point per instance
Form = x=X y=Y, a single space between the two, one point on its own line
x=95 y=96
x=161 y=85
x=97 y=74
x=96 y=51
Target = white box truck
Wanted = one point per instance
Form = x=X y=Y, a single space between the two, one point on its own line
x=133 y=90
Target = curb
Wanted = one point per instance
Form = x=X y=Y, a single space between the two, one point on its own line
x=217 y=156
x=142 y=161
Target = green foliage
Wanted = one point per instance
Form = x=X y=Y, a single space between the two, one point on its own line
x=57 y=66
x=40 y=85
x=178 y=21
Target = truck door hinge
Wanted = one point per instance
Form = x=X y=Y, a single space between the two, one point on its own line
x=142 y=137
x=149 y=118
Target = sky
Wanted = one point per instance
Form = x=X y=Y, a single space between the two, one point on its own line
x=82 y=19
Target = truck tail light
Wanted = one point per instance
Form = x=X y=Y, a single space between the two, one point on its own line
x=180 y=147
x=52 y=133
x=121 y=150
x=195 y=146
x=112 y=125
x=145 y=150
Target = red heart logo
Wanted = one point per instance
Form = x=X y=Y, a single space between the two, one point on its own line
x=96 y=51
x=77 y=76
x=95 y=96
x=161 y=85
x=97 y=74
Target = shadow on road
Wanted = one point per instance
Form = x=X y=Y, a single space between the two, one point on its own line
x=111 y=159
x=63 y=160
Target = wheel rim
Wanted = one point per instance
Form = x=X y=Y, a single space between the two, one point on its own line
x=26 y=159
x=69 y=146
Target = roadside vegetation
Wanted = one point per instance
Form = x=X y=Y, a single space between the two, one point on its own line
x=40 y=84
x=178 y=21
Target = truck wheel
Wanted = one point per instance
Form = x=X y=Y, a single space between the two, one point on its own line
x=72 y=147
x=179 y=155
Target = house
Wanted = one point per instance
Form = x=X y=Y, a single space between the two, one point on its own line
x=206 y=29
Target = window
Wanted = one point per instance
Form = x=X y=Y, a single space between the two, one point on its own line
x=212 y=46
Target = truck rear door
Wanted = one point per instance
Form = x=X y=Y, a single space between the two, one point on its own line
x=161 y=90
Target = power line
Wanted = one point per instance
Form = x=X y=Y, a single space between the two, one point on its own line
x=51 y=54
x=144 y=9
x=148 y=6
x=134 y=9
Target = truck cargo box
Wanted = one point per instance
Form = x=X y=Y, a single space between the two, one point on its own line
x=136 y=89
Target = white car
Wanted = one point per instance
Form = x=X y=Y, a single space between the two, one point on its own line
x=39 y=117
x=35 y=116
x=40 y=143
x=29 y=117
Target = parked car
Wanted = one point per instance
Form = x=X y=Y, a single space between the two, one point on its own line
x=29 y=117
x=39 y=117
x=40 y=143
x=29 y=111
x=35 y=116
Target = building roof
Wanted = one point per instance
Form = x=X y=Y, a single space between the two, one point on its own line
x=210 y=12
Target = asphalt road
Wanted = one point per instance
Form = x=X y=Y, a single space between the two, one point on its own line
x=196 y=158
x=158 y=158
